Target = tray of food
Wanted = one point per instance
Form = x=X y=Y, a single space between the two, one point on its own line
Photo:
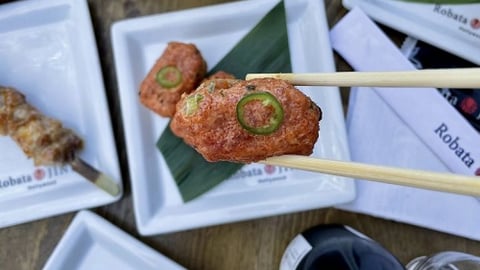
x=146 y=55
x=53 y=113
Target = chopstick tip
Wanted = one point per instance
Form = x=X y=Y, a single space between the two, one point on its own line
x=98 y=178
x=108 y=185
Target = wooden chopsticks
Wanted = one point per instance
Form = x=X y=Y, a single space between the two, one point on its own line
x=447 y=182
x=450 y=78
x=438 y=78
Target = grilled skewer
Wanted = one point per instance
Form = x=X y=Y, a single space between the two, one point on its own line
x=44 y=139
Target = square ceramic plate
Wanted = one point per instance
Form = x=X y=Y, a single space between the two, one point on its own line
x=91 y=242
x=47 y=51
x=448 y=27
x=257 y=190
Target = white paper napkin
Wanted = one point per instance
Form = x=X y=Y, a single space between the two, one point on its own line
x=389 y=127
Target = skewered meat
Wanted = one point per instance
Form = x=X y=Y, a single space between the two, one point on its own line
x=247 y=121
x=180 y=69
x=40 y=137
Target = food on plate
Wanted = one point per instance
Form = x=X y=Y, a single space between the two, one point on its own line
x=247 y=121
x=42 y=138
x=180 y=69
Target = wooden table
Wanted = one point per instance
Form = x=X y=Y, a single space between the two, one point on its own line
x=255 y=244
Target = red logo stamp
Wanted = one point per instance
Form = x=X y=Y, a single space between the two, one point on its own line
x=39 y=174
x=469 y=105
x=269 y=169
x=475 y=23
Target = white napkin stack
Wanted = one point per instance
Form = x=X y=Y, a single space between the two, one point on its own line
x=396 y=127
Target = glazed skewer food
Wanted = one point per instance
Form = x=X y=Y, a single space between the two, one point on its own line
x=247 y=121
x=44 y=139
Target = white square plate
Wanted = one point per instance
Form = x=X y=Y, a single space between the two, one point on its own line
x=47 y=51
x=92 y=243
x=435 y=23
x=257 y=190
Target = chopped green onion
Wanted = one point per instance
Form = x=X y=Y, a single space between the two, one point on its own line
x=169 y=77
x=211 y=86
x=191 y=104
x=268 y=101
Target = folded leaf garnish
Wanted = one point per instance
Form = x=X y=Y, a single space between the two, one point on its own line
x=264 y=49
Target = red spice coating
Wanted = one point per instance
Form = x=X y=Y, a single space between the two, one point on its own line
x=213 y=130
x=220 y=75
x=185 y=57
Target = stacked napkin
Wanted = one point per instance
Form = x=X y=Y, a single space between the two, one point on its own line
x=411 y=128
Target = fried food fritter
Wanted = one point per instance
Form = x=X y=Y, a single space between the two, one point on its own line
x=40 y=137
x=247 y=121
x=180 y=69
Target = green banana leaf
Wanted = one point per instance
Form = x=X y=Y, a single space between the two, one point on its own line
x=263 y=49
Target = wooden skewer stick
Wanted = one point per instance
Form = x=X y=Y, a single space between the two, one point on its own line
x=438 y=78
x=98 y=178
x=447 y=182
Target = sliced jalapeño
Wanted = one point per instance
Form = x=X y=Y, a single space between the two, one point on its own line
x=169 y=77
x=268 y=102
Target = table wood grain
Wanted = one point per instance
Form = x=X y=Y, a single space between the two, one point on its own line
x=255 y=244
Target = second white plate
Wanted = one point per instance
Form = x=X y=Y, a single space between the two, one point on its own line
x=48 y=52
x=93 y=243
